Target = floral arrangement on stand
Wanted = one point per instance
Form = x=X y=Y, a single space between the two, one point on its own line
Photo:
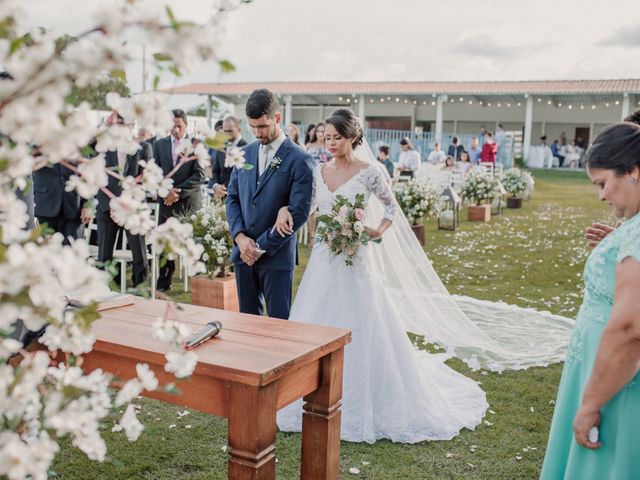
x=342 y=229
x=417 y=200
x=480 y=188
x=514 y=182
x=211 y=230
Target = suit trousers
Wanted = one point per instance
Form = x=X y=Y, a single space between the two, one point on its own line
x=257 y=285
x=65 y=226
x=107 y=232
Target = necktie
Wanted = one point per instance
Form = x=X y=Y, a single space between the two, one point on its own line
x=174 y=150
x=265 y=159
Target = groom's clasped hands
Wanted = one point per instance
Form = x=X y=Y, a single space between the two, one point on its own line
x=249 y=250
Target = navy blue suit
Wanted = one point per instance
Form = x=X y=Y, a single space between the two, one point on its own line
x=252 y=208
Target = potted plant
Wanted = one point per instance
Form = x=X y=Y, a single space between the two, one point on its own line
x=417 y=200
x=480 y=188
x=515 y=184
x=217 y=287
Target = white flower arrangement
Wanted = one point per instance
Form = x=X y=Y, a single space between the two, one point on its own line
x=211 y=231
x=417 y=200
x=513 y=181
x=480 y=188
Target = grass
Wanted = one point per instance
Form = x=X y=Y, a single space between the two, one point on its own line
x=531 y=257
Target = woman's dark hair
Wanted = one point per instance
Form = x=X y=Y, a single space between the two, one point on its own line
x=307 y=136
x=262 y=102
x=384 y=149
x=406 y=141
x=314 y=137
x=617 y=148
x=347 y=125
x=633 y=117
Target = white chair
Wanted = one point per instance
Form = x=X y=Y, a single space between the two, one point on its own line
x=91 y=227
x=488 y=167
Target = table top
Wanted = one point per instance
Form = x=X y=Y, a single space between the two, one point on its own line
x=250 y=349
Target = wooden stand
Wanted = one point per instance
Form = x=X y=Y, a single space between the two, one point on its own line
x=218 y=292
x=513 y=202
x=418 y=230
x=479 y=213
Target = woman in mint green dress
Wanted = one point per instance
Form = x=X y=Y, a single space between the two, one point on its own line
x=600 y=385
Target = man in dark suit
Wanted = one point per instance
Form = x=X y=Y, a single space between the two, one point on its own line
x=185 y=195
x=61 y=210
x=126 y=165
x=455 y=149
x=220 y=175
x=281 y=174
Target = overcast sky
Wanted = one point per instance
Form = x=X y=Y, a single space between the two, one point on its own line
x=376 y=40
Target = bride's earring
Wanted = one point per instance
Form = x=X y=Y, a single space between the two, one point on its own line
x=634 y=181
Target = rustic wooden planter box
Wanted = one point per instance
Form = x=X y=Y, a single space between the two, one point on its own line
x=479 y=213
x=218 y=292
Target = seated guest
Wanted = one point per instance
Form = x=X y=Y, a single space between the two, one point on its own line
x=291 y=131
x=437 y=156
x=309 y=134
x=383 y=158
x=316 y=146
x=449 y=164
x=409 y=159
x=464 y=165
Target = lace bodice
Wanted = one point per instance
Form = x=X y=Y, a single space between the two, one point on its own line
x=369 y=180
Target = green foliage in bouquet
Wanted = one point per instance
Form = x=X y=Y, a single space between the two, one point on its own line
x=480 y=187
x=342 y=229
x=211 y=230
x=417 y=200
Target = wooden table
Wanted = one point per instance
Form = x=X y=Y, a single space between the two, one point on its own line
x=254 y=367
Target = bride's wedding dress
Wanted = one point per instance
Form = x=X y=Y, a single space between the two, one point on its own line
x=390 y=389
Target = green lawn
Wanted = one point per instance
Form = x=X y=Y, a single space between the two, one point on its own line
x=531 y=257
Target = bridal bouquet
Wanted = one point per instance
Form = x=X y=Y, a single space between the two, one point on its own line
x=343 y=228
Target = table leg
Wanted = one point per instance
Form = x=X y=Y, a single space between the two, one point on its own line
x=321 y=422
x=252 y=432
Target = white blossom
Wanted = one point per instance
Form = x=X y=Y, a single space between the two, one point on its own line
x=90 y=178
x=170 y=331
x=234 y=157
x=181 y=364
x=146 y=377
x=130 y=424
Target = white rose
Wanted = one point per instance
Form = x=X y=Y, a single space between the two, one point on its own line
x=358 y=227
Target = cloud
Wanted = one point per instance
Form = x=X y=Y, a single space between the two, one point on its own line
x=628 y=37
x=483 y=45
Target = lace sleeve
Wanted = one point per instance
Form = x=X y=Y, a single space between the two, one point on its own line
x=381 y=189
x=629 y=241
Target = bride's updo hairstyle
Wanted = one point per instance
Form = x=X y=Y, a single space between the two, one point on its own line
x=347 y=125
x=617 y=148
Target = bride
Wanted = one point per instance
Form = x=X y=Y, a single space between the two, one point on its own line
x=391 y=389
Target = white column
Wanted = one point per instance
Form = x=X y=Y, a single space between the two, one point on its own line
x=209 y=113
x=528 y=126
x=414 y=111
x=361 y=111
x=626 y=105
x=455 y=127
x=591 y=132
x=288 y=113
x=440 y=116
x=543 y=129
x=321 y=119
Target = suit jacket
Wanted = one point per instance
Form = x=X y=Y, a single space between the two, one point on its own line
x=219 y=173
x=131 y=168
x=188 y=178
x=50 y=196
x=253 y=203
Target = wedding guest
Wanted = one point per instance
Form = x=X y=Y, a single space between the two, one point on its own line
x=455 y=149
x=383 y=158
x=600 y=381
x=409 y=159
x=316 y=146
x=482 y=135
x=437 y=156
x=291 y=131
x=555 y=151
x=500 y=138
x=572 y=155
x=126 y=165
x=449 y=164
x=218 y=127
x=475 y=151
x=308 y=134
x=220 y=175
x=187 y=179
x=464 y=165
x=489 y=149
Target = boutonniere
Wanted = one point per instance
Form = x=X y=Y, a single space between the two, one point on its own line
x=275 y=163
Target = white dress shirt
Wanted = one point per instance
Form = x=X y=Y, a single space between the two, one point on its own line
x=409 y=159
x=267 y=152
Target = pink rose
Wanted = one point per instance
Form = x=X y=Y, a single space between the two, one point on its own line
x=350 y=251
x=359 y=214
x=343 y=212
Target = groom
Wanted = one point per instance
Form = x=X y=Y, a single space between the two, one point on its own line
x=281 y=176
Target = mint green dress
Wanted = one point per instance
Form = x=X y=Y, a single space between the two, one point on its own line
x=619 y=456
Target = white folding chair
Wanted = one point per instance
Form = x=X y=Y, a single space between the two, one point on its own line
x=155 y=215
x=488 y=167
x=91 y=227
x=123 y=256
